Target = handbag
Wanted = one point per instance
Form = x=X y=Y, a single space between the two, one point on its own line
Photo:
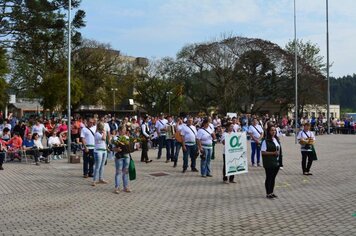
x=132 y=169
x=314 y=156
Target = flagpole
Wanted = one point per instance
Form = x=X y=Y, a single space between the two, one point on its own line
x=69 y=141
x=327 y=65
x=296 y=73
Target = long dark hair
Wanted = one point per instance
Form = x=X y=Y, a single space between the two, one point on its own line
x=268 y=134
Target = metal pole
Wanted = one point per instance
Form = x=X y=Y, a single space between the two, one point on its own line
x=69 y=89
x=296 y=73
x=327 y=64
x=169 y=104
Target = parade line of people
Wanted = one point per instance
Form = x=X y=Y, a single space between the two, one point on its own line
x=105 y=137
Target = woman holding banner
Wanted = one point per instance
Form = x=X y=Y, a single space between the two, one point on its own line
x=229 y=130
x=270 y=148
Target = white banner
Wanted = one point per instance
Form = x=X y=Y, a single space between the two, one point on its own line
x=236 y=153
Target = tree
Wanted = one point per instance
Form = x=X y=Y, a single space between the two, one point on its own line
x=37 y=30
x=3 y=84
x=153 y=85
x=311 y=81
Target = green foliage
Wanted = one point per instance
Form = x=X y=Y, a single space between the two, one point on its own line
x=342 y=91
x=3 y=84
x=37 y=31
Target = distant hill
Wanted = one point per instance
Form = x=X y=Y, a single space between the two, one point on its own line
x=343 y=92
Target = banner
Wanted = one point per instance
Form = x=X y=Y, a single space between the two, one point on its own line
x=236 y=153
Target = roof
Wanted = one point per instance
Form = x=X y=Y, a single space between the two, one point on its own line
x=28 y=105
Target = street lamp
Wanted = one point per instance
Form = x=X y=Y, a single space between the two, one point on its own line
x=169 y=101
x=114 y=90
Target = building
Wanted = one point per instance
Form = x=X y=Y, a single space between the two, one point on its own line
x=317 y=110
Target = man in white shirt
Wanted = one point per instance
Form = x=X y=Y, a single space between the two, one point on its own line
x=170 y=127
x=87 y=135
x=306 y=139
x=161 y=132
x=256 y=133
x=189 y=133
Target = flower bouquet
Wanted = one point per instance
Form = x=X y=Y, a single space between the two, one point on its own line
x=125 y=143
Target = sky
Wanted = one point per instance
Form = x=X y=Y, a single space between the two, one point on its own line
x=160 y=28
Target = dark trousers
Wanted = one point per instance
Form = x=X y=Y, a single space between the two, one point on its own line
x=58 y=150
x=271 y=174
x=306 y=166
x=231 y=177
x=2 y=157
x=191 y=152
x=170 y=149
x=34 y=152
x=178 y=146
x=88 y=162
x=144 y=153
x=161 y=141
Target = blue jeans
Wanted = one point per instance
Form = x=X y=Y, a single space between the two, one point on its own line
x=100 y=158
x=255 y=149
x=122 y=171
x=191 y=151
x=176 y=153
x=205 y=168
x=161 y=141
x=88 y=162
x=170 y=149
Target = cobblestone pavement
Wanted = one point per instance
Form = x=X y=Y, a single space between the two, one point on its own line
x=54 y=199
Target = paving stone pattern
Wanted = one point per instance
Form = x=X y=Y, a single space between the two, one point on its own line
x=54 y=199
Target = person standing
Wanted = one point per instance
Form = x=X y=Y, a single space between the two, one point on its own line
x=205 y=145
x=145 y=136
x=122 y=161
x=178 y=140
x=306 y=139
x=270 y=148
x=100 y=154
x=256 y=133
x=161 y=133
x=189 y=144
x=170 y=127
x=87 y=135
x=229 y=130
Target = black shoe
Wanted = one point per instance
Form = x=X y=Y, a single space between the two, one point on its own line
x=274 y=195
x=148 y=161
x=167 y=161
x=195 y=170
x=175 y=164
x=209 y=175
x=37 y=164
x=1 y=168
x=269 y=196
x=91 y=175
x=184 y=171
x=309 y=173
x=85 y=176
x=158 y=158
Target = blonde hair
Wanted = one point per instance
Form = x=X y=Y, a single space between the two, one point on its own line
x=100 y=127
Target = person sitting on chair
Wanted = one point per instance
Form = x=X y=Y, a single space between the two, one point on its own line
x=45 y=152
x=30 y=148
x=15 y=145
x=56 y=143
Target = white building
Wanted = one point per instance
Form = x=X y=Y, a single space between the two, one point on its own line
x=317 y=110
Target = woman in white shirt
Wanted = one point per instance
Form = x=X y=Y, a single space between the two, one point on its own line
x=100 y=154
x=229 y=130
x=56 y=143
x=205 y=145
x=270 y=149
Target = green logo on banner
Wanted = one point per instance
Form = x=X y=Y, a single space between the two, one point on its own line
x=234 y=142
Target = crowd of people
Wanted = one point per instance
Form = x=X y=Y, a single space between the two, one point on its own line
x=100 y=138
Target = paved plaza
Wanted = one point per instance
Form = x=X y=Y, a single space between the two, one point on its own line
x=54 y=199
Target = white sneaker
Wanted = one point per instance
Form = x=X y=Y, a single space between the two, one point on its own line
x=54 y=158
x=281 y=167
x=59 y=157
